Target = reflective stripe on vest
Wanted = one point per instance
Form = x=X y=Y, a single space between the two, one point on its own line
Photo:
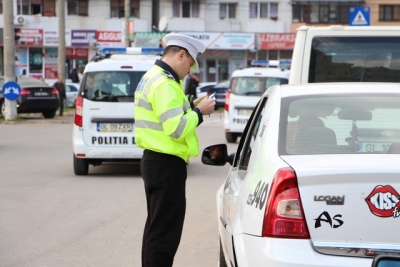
x=143 y=101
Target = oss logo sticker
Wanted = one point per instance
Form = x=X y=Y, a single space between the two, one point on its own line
x=384 y=201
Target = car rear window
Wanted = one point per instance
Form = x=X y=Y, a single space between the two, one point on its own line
x=350 y=124
x=111 y=86
x=253 y=86
x=355 y=59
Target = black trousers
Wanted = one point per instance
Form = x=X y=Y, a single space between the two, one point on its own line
x=164 y=182
x=62 y=100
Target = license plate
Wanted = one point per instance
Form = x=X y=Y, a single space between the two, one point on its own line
x=244 y=112
x=114 y=127
x=41 y=94
x=372 y=147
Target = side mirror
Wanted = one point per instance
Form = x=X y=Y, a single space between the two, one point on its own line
x=386 y=261
x=216 y=155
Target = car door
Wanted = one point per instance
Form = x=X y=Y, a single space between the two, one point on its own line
x=237 y=175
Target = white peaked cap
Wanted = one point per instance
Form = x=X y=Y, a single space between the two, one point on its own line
x=194 y=46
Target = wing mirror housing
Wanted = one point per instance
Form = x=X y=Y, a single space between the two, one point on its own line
x=216 y=155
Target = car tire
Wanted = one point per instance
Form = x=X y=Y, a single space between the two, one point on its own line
x=231 y=137
x=49 y=114
x=81 y=166
x=221 y=262
x=2 y=108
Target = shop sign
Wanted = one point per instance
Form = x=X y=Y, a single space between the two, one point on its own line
x=275 y=41
x=231 y=41
x=51 y=37
x=148 y=39
x=81 y=52
x=83 y=37
x=30 y=36
x=109 y=38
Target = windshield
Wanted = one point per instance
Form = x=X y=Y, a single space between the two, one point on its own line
x=348 y=124
x=111 y=86
x=355 y=59
x=254 y=85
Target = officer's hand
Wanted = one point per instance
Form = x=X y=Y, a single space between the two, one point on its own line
x=206 y=106
x=198 y=100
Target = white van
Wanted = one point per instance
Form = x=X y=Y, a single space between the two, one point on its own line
x=103 y=129
x=245 y=89
x=346 y=54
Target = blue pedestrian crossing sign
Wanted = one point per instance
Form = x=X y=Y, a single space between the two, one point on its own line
x=359 y=16
x=11 y=90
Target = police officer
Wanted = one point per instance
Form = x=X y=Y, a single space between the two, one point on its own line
x=165 y=126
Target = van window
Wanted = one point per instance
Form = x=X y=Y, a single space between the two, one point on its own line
x=254 y=85
x=355 y=59
x=111 y=86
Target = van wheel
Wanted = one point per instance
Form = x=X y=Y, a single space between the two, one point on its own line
x=221 y=262
x=2 y=108
x=81 y=166
x=231 y=137
x=49 y=114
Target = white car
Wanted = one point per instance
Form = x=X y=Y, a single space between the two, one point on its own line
x=246 y=87
x=103 y=130
x=315 y=179
x=201 y=90
x=71 y=90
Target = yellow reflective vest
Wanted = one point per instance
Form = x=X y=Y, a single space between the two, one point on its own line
x=164 y=120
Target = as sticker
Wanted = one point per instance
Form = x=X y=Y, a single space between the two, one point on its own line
x=384 y=201
x=141 y=84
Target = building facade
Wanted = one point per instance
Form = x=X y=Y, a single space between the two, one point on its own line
x=235 y=32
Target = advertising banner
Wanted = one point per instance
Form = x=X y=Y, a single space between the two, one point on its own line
x=30 y=37
x=83 y=37
x=51 y=63
x=275 y=41
x=21 y=62
x=35 y=62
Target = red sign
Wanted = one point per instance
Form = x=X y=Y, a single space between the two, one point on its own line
x=384 y=201
x=275 y=41
x=69 y=52
x=51 y=71
x=108 y=36
x=81 y=52
x=30 y=36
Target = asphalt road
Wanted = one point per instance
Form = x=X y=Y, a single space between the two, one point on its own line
x=50 y=217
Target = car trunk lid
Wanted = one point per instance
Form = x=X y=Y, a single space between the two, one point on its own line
x=351 y=203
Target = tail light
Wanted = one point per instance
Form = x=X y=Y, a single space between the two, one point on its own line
x=227 y=97
x=78 y=111
x=284 y=215
x=208 y=91
x=54 y=92
x=25 y=92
